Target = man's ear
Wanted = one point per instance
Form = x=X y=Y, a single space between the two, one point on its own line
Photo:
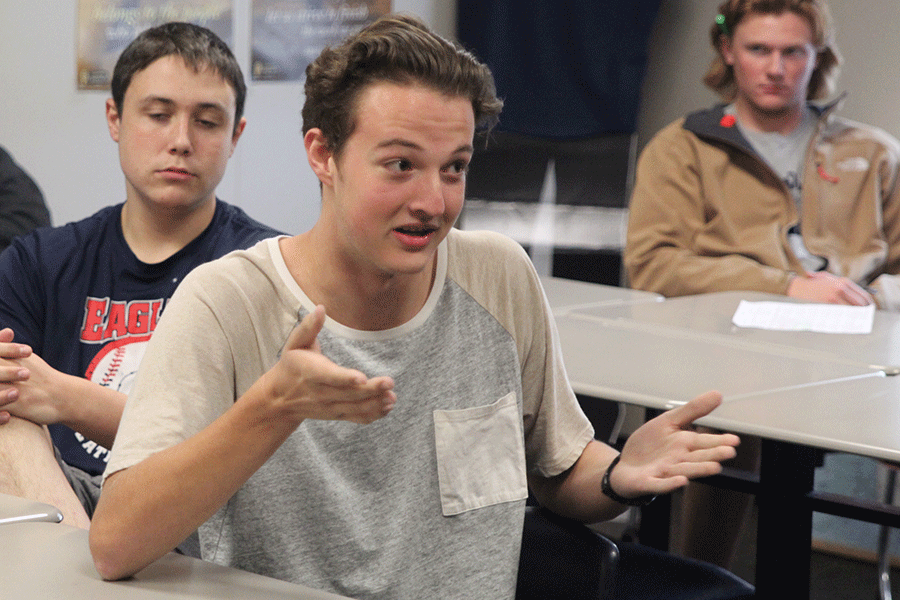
x=236 y=135
x=112 y=119
x=726 y=49
x=319 y=155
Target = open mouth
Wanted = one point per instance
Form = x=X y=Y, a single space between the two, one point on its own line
x=415 y=237
x=416 y=231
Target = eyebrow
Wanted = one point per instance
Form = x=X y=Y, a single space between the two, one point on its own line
x=772 y=45
x=149 y=100
x=414 y=146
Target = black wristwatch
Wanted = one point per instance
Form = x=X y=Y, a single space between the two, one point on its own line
x=607 y=489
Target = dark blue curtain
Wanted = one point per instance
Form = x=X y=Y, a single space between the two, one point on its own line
x=565 y=68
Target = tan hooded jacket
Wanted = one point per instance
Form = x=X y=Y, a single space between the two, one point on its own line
x=708 y=214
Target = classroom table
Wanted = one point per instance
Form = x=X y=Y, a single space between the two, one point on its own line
x=797 y=391
x=45 y=561
x=711 y=314
x=859 y=415
x=565 y=295
x=656 y=367
x=15 y=510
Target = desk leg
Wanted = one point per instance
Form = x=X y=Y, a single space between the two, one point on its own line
x=655 y=523
x=784 y=535
x=656 y=518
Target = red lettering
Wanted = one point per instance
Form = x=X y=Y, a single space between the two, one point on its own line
x=138 y=318
x=156 y=308
x=106 y=320
x=116 y=325
x=94 y=313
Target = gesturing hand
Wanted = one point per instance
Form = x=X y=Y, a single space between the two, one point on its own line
x=664 y=453
x=308 y=385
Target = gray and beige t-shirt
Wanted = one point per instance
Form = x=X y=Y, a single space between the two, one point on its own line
x=424 y=503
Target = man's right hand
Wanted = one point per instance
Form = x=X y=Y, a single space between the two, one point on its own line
x=308 y=385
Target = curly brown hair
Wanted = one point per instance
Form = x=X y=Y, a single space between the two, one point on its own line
x=398 y=49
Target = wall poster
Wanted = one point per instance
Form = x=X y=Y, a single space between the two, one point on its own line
x=105 y=27
x=289 y=34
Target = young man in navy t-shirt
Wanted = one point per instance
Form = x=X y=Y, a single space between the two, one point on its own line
x=79 y=302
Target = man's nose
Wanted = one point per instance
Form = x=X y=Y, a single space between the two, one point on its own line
x=776 y=64
x=181 y=137
x=430 y=198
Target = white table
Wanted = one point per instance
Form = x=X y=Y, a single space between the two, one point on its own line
x=711 y=314
x=43 y=561
x=858 y=416
x=655 y=367
x=15 y=510
x=565 y=295
x=798 y=391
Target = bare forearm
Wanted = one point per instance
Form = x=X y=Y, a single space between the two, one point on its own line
x=662 y=455
x=178 y=489
x=576 y=493
x=92 y=410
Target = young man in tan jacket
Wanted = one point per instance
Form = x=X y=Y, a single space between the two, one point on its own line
x=768 y=192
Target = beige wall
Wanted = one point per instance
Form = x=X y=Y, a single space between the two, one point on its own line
x=60 y=136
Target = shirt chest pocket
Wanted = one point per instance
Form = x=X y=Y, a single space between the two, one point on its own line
x=480 y=456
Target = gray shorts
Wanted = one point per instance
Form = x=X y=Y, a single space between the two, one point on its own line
x=85 y=485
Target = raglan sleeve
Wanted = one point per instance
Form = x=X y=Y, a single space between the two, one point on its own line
x=186 y=377
x=556 y=428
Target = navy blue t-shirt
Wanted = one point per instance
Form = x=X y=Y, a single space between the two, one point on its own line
x=83 y=301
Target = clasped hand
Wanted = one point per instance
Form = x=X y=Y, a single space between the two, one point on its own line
x=25 y=382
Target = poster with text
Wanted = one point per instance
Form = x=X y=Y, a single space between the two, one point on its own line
x=287 y=35
x=106 y=27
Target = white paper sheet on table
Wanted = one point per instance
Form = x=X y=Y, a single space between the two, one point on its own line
x=790 y=316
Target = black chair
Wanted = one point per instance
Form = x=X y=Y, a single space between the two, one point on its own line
x=566 y=560
x=645 y=573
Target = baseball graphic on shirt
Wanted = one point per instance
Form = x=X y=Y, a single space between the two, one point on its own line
x=117 y=363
